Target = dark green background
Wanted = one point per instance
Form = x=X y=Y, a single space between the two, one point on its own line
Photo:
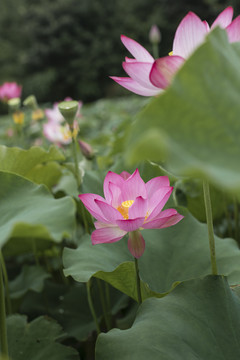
x=70 y=47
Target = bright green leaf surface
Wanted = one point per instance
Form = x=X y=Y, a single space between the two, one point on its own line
x=35 y=164
x=199 y=320
x=30 y=278
x=28 y=211
x=195 y=123
x=36 y=340
x=173 y=254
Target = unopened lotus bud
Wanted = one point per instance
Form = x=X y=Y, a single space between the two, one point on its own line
x=14 y=104
x=86 y=149
x=68 y=109
x=31 y=102
x=155 y=35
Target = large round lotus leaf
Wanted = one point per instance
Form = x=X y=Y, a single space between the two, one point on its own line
x=30 y=213
x=69 y=306
x=36 y=340
x=35 y=164
x=174 y=254
x=195 y=123
x=199 y=320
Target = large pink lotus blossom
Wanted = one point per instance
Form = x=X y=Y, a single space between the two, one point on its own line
x=140 y=67
x=148 y=77
x=129 y=206
x=10 y=90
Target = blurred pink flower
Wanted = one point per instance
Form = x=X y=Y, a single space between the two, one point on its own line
x=10 y=90
x=148 y=77
x=129 y=206
x=59 y=134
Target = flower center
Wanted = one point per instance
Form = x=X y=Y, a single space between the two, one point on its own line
x=170 y=53
x=123 y=208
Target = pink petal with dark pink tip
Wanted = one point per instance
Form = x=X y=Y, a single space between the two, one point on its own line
x=89 y=202
x=233 y=30
x=163 y=222
x=138 y=208
x=224 y=18
x=157 y=202
x=107 y=235
x=155 y=184
x=206 y=25
x=133 y=187
x=189 y=35
x=137 y=50
x=112 y=178
x=127 y=59
x=140 y=72
x=134 y=86
x=136 y=244
x=130 y=224
x=109 y=212
x=164 y=69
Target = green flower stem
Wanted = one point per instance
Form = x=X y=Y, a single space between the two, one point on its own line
x=84 y=218
x=3 y=327
x=34 y=248
x=139 y=295
x=104 y=306
x=74 y=152
x=155 y=51
x=107 y=293
x=228 y=217
x=90 y=303
x=236 y=220
x=5 y=277
x=208 y=209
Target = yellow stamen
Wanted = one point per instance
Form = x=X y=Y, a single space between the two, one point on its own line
x=124 y=207
x=170 y=53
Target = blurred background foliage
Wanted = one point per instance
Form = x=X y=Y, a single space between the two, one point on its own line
x=70 y=47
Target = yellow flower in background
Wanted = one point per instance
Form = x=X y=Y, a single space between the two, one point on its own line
x=37 y=114
x=18 y=117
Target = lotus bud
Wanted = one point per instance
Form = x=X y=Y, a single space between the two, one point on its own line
x=86 y=149
x=155 y=35
x=31 y=102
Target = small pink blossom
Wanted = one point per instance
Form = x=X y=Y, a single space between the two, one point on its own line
x=130 y=205
x=10 y=90
x=59 y=134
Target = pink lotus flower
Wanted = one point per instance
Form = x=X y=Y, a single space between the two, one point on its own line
x=190 y=34
x=59 y=134
x=140 y=67
x=129 y=206
x=10 y=90
x=149 y=77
